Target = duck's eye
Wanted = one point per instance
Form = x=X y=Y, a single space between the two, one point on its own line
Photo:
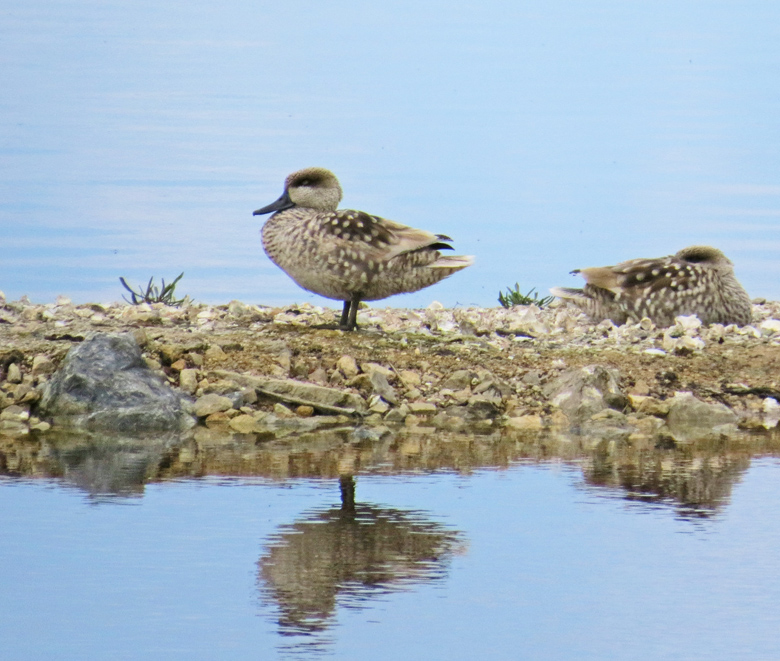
x=305 y=182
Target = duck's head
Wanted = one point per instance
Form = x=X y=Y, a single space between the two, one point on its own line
x=705 y=255
x=313 y=188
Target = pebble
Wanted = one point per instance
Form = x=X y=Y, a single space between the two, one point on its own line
x=525 y=423
x=211 y=403
x=14 y=374
x=42 y=364
x=348 y=366
x=215 y=354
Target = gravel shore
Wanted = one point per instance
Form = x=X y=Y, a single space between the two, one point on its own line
x=463 y=369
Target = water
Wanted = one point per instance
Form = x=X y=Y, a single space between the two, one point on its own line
x=452 y=547
x=137 y=139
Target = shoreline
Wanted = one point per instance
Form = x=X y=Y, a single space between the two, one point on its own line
x=472 y=370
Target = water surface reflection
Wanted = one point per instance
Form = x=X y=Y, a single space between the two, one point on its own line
x=696 y=479
x=348 y=556
x=550 y=568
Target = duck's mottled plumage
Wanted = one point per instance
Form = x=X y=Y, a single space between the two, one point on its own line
x=349 y=255
x=697 y=280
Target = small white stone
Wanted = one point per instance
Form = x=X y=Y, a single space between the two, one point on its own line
x=688 y=323
x=770 y=326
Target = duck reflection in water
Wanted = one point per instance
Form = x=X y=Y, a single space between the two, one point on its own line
x=345 y=556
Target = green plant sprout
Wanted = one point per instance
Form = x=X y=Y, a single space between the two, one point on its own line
x=514 y=297
x=153 y=294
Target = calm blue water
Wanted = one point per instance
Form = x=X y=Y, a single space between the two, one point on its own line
x=541 y=567
x=136 y=139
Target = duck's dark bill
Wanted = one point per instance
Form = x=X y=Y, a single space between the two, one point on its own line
x=284 y=202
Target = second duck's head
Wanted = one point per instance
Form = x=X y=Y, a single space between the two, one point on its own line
x=706 y=256
x=313 y=188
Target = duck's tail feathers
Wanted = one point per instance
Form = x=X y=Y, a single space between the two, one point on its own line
x=452 y=262
x=568 y=293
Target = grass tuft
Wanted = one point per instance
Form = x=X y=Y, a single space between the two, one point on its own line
x=515 y=297
x=153 y=294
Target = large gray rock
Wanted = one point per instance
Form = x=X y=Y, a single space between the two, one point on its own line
x=104 y=384
x=583 y=392
x=692 y=419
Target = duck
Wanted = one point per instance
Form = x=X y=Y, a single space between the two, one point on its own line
x=349 y=255
x=697 y=280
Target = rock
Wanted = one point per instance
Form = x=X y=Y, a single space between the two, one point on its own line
x=248 y=396
x=368 y=368
x=211 y=403
x=215 y=354
x=348 y=366
x=304 y=411
x=319 y=376
x=689 y=324
x=480 y=407
x=359 y=382
x=770 y=326
x=14 y=428
x=382 y=388
x=649 y=405
x=491 y=387
x=6 y=399
x=410 y=379
x=104 y=384
x=532 y=378
x=14 y=374
x=771 y=413
x=15 y=413
x=188 y=380
x=322 y=399
x=581 y=393
x=691 y=419
x=378 y=405
x=42 y=364
x=243 y=424
x=525 y=423
x=170 y=353
x=281 y=411
x=422 y=408
x=220 y=418
x=525 y=320
x=152 y=363
x=459 y=380
x=399 y=414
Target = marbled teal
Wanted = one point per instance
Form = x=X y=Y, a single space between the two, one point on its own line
x=348 y=255
x=697 y=280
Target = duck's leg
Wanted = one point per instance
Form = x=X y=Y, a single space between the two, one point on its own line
x=344 y=316
x=349 y=315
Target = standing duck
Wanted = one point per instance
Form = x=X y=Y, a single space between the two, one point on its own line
x=348 y=255
x=697 y=280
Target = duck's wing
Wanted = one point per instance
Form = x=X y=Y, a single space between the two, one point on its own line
x=380 y=238
x=654 y=287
